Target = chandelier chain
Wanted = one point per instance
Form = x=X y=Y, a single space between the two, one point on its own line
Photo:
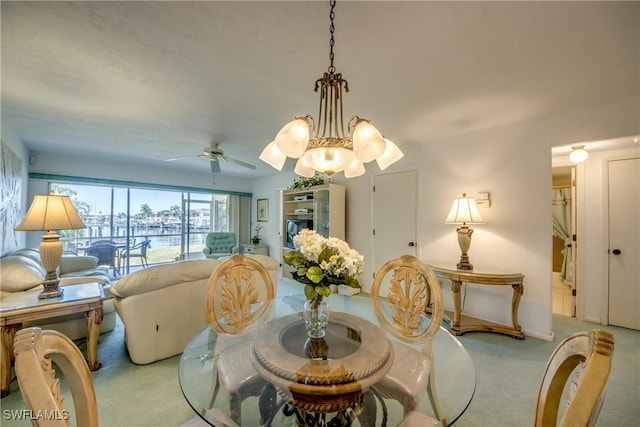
x=332 y=42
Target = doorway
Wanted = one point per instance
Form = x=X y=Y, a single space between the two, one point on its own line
x=563 y=257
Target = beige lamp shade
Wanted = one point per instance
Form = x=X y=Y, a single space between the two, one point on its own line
x=51 y=212
x=464 y=211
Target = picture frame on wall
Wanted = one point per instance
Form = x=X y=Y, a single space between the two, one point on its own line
x=262 y=210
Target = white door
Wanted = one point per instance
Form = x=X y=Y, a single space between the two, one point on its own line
x=395 y=198
x=624 y=243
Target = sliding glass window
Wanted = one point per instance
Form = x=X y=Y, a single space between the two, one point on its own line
x=146 y=226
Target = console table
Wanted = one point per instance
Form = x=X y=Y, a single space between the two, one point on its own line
x=254 y=249
x=20 y=307
x=462 y=323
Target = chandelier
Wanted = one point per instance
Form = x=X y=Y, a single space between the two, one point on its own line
x=323 y=145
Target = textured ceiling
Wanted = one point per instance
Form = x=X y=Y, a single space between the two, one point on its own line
x=149 y=81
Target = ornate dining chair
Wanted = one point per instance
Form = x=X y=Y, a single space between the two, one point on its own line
x=35 y=350
x=589 y=354
x=580 y=367
x=412 y=313
x=236 y=299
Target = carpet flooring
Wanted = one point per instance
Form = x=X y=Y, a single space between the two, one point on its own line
x=508 y=375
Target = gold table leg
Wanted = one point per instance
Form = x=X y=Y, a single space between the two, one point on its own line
x=94 y=322
x=6 y=357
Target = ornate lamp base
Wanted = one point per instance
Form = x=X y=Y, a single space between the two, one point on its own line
x=51 y=290
x=464 y=240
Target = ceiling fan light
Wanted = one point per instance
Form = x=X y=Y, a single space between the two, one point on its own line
x=329 y=160
x=273 y=156
x=368 y=142
x=391 y=155
x=293 y=138
x=303 y=169
x=356 y=168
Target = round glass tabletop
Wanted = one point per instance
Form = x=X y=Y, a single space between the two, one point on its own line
x=268 y=374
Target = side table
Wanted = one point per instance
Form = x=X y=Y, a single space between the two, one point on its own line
x=462 y=323
x=20 y=307
x=251 y=249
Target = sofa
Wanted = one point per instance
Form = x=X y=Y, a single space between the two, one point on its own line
x=220 y=244
x=22 y=271
x=162 y=307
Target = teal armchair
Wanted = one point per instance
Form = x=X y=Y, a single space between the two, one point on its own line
x=220 y=244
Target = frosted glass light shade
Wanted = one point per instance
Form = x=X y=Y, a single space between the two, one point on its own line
x=356 y=168
x=578 y=154
x=391 y=155
x=329 y=159
x=273 y=156
x=293 y=138
x=464 y=211
x=368 y=142
x=303 y=169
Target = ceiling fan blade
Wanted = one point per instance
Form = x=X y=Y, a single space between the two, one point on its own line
x=215 y=165
x=239 y=162
x=183 y=157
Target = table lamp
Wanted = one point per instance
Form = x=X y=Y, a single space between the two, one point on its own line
x=49 y=213
x=463 y=211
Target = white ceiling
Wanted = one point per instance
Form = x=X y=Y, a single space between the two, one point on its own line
x=147 y=81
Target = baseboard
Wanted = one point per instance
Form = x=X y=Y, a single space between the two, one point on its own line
x=538 y=335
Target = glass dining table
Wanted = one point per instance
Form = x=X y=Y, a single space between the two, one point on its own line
x=287 y=378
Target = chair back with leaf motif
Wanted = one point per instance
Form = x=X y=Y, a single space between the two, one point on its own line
x=236 y=289
x=412 y=313
x=35 y=350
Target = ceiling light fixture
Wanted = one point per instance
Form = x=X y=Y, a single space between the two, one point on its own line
x=578 y=154
x=324 y=146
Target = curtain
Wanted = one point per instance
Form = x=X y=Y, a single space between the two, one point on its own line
x=562 y=229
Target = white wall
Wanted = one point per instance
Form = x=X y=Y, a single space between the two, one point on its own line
x=269 y=188
x=513 y=164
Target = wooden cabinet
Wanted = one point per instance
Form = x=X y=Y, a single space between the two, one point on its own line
x=320 y=208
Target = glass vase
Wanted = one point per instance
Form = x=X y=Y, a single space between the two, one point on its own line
x=316 y=317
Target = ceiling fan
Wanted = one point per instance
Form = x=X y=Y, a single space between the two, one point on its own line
x=214 y=154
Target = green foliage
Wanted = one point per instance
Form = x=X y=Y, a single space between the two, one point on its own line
x=302 y=182
x=317 y=282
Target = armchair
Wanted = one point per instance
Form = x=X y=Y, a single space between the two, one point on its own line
x=220 y=244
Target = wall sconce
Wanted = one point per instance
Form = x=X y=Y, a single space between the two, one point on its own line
x=463 y=211
x=49 y=213
x=578 y=154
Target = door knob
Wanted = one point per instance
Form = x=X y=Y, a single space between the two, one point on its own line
x=411 y=244
x=617 y=251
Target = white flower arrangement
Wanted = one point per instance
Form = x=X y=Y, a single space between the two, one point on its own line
x=321 y=262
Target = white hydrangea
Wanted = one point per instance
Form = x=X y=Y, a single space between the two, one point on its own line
x=347 y=262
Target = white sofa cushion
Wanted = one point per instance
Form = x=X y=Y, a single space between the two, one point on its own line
x=163 y=307
x=75 y=264
x=19 y=273
x=160 y=276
